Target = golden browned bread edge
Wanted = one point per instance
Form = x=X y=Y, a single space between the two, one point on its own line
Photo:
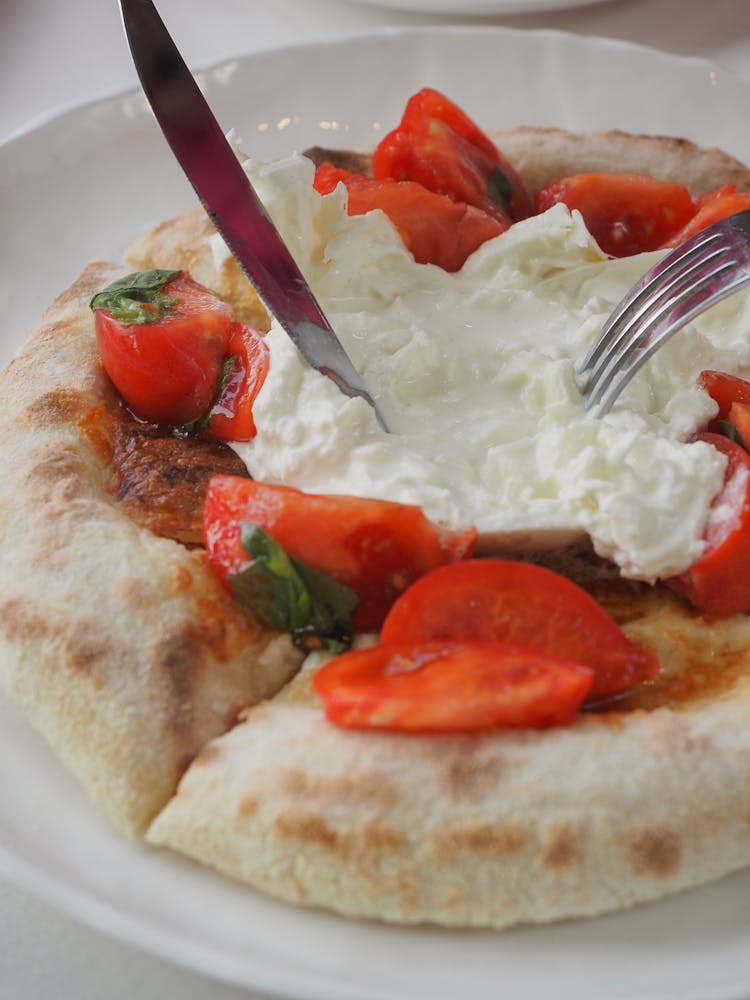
x=121 y=647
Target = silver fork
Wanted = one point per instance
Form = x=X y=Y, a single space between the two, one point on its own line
x=701 y=271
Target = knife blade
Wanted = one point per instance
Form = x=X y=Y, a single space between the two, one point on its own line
x=225 y=190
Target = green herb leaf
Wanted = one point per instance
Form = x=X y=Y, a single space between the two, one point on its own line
x=729 y=430
x=287 y=595
x=137 y=298
x=332 y=610
x=271 y=588
x=499 y=188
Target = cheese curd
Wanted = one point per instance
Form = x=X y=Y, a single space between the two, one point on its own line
x=475 y=373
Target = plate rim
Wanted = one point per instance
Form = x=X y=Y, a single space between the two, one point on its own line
x=124 y=93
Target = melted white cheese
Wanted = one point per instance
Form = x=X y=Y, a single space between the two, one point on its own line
x=475 y=374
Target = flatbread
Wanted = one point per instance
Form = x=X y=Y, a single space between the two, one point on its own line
x=119 y=645
x=132 y=661
x=494 y=829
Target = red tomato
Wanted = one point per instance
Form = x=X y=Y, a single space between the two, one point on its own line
x=724 y=390
x=375 y=547
x=505 y=601
x=450 y=686
x=625 y=213
x=430 y=103
x=439 y=146
x=232 y=415
x=739 y=418
x=167 y=371
x=713 y=207
x=435 y=229
x=719 y=581
x=327 y=177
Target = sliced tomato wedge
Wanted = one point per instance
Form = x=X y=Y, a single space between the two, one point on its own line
x=450 y=686
x=231 y=417
x=327 y=177
x=626 y=213
x=739 y=418
x=435 y=229
x=375 y=547
x=719 y=582
x=437 y=145
x=724 y=389
x=506 y=601
x=713 y=207
x=165 y=354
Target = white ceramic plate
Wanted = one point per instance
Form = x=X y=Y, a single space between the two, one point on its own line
x=84 y=185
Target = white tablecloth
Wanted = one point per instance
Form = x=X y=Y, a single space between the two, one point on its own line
x=58 y=52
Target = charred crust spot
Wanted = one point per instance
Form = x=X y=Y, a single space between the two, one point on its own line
x=180 y=660
x=369 y=790
x=247 y=807
x=85 y=645
x=465 y=776
x=17 y=623
x=182 y=654
x=371 y=841
x=88 y=647
x=161 y=479
x=654 y=852
x=379 y=838
x=496 y=840
x=307 y=827
x=560 y=850
x=58 y=406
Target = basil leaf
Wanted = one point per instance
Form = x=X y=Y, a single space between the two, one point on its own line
x=332 y=610
x=271 y=588
x=287 y=595
x=729 y=430
x=137 y=299
x=499 y=188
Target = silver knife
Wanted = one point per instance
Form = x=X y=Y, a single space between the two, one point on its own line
x=217 y=176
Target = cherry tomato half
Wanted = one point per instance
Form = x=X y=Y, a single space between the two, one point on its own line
x=713 y=207
x=231 y=417
x=168 y=365
x=450 y=686
x=375 y=547
x=434 y=228
x=719 y=581
x=506 y=601
x=625 y=213
x=437 y=145
x=724 y=389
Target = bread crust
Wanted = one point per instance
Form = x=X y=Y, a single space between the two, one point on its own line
x=119 y=645
x=542 y=155
x=490 y=830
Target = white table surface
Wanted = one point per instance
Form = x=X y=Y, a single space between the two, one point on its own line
x=54 y=53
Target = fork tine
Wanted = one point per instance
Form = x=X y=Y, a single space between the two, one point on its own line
x=663 y=318
x=668 y=270
x=700 y=272
x=657 y=298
